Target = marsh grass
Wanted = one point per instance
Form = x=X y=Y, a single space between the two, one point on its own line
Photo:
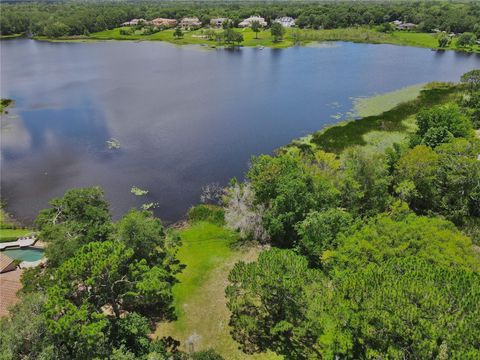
x=338 y=137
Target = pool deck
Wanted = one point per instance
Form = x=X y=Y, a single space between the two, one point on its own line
x=19 y=243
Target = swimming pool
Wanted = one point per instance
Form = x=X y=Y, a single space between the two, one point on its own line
x=25 y=254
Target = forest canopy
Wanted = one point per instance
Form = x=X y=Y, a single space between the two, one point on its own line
x=72 y=18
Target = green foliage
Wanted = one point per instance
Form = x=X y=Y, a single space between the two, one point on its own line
x=145 y=235
x=410 y=308
x=385 y=237
x=256 y=27
x=418 y=167
x=289 y=189
x=206 y=355
x=79 y=217
x=366 y=182
x=471 y=79
x=440 y=124
x=23 y=333
x=443 y=40
x=178 y=34
x=319 y=232
x=210 y=213
x=277 y=31
x=401 y=308
x=467 y=39
x=232 y=37
x=267 y=301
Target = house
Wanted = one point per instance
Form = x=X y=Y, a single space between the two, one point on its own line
x=191 y=23
x=6 y=263
x=218 y=22
x=399 y=25
x=163 y=23
x=285 y=21
x=248 y=22
x=134 y=22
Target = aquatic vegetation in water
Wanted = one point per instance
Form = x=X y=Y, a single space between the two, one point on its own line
x=337 y=116
x=149 y=206
x=138 y=192
x=113 y=144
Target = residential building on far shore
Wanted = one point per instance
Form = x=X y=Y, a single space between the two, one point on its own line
x=134 y=22
x=191 y=23
x=400 y=25
x=285 y=21
x=248 y=22
x=162 y=22
x=218 y=22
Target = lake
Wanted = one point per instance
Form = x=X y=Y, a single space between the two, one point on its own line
x=183 y=116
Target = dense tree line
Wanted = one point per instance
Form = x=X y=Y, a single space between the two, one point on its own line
x=368 y=260
x=70 y=18
x=104 y=286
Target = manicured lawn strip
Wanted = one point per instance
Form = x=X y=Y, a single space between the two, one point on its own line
x=337 y=138
x=7 y=235
x=204 y=247
x=199 y=297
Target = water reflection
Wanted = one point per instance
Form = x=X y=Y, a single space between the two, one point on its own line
x=184 y=117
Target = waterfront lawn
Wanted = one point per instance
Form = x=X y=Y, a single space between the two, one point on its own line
x=199 y=298
x=394 y=122
x=7 y=235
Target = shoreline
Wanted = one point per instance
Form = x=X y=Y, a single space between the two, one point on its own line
x=304 y=37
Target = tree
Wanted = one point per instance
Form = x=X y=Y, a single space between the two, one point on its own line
x=411 y=308
x=79 y=217
x=267 y=301
x=466 y=40
x=256 y=27
x=277 y=31
x=24 y=332
x=178 y=33
x=443 y=40
x=386 y=236
x=97 y=298
x=231 y=37
x=472 y=80
x=441 y=123
x=319 y=232
x=289 y=189
x=419 y=167
x=366 y=182
x=458 y=179
x=56 y=29
x=243 y=215
x=145 y=235
x=401 y=308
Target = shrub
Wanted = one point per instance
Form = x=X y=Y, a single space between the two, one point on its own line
x=210 y=213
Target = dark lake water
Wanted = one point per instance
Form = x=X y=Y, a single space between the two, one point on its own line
x=184 y=117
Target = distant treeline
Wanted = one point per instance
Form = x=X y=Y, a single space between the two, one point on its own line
x=70 y=18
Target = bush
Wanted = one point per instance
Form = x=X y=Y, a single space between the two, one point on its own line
x=210 y=213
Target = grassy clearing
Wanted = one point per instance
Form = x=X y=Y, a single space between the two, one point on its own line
x=9 y=229
x=292 y=37
x=200 y=295
x=7 y=235
x=388 y=126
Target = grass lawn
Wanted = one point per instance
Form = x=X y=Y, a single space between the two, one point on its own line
x=8 y=229
x=199 y=297
x=382 y=129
